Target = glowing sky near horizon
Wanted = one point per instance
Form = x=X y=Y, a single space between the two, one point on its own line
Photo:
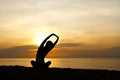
x=92 y=23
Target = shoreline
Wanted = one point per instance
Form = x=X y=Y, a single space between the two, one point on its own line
x=29 y=73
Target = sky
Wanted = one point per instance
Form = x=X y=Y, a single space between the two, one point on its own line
x=87 y=28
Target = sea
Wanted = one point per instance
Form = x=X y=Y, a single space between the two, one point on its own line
x=75 y=63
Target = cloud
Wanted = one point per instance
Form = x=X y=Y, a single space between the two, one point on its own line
x=69 y=44
x=77 y=53
x=112 y=52
x=28 y=51
x=18 y=51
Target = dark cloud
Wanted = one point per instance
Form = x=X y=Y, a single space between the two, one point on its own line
x=18 y=51
x=77 y=53
x=69 y=44
x=112 y=52
x=26 y=51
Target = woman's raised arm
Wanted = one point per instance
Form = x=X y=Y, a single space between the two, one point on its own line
x=56 y=40
x=46 y=40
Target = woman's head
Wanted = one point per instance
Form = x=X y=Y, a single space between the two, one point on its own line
x=49 y=44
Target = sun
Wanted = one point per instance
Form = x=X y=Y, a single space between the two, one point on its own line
x=39 y=37
x=38 y=41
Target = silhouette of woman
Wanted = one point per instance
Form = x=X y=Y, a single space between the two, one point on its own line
x=43 y=50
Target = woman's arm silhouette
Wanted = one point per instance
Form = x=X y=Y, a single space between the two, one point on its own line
x=56 y=40
x=42 y=44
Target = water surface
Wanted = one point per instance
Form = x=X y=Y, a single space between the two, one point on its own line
x=80 y=63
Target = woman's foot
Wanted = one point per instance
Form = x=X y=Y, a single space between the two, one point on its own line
x=40 y=65
x=47 y=64
x=33 y=63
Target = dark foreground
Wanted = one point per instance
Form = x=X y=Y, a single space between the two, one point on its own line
x=29 y=73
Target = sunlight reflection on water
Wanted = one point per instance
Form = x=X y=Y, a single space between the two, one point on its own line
x=80 y=63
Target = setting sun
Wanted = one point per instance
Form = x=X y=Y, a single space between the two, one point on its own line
x=39 y=37
x=38 y=41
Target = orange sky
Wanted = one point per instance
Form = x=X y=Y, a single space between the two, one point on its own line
x=80 y=24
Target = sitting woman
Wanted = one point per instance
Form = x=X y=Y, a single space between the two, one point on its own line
x=43 y=50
